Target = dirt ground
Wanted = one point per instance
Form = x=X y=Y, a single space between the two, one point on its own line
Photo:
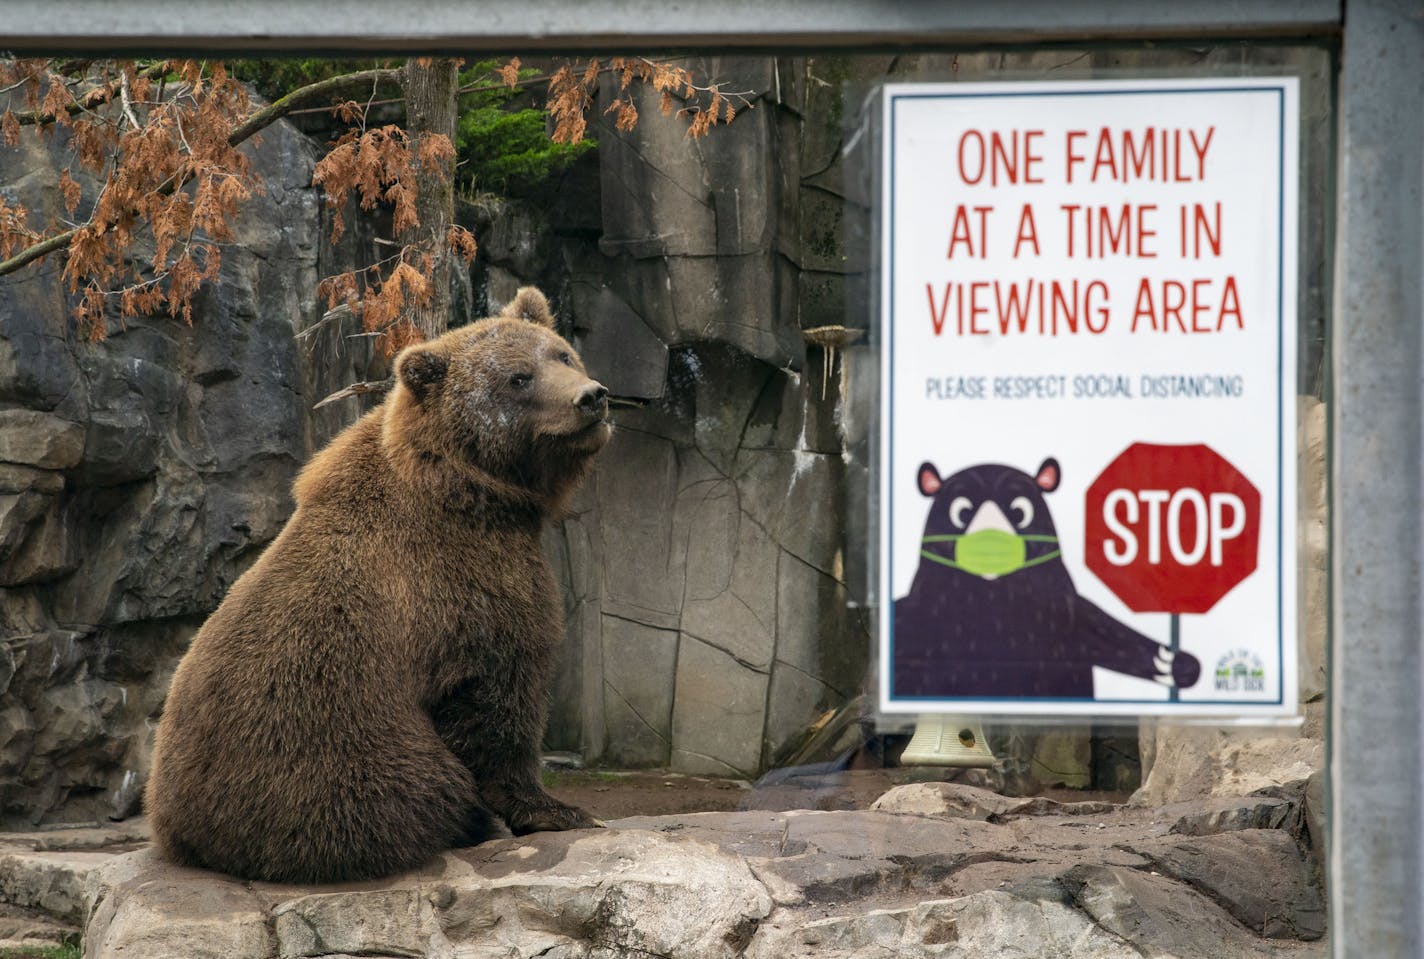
x=616 y=795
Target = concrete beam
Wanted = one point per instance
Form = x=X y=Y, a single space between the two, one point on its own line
x=624 y=25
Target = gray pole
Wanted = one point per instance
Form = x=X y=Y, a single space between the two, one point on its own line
x=1376 y=736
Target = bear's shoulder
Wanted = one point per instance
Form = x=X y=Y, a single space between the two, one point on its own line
x=353 y=463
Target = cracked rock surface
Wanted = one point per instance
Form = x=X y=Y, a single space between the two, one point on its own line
x=138 y=478
x=975 y=875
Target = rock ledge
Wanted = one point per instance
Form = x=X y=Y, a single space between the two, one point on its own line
x=966 y=873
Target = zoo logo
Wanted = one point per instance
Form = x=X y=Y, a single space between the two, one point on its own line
x=1240 y=671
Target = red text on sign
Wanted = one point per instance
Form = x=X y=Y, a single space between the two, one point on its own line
x=1099 y=231
x=1125 y=156
x=966 y=229
x=1003 y=158
x=1047 y=308
x=1194 y=307
x=1197 y=230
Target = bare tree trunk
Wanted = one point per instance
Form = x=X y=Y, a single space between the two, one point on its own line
x=429 y=86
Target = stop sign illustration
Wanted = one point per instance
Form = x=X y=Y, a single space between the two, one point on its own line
x=1172 y=529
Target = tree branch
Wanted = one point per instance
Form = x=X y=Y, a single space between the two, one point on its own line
x=31 y=253
x=358 y=389
x=127 y=103
x=94 y=98
x=254 y=123
x=303 y=95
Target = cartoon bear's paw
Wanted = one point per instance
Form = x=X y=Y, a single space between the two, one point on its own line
x=1176 y=669
x=1162 y=662
x=1186 y=670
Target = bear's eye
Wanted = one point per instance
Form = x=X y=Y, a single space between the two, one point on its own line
x=1021 y=511
x=959 y=511
x=565 y=359
x=520 y=380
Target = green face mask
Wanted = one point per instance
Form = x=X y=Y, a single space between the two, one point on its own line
x=989 y=553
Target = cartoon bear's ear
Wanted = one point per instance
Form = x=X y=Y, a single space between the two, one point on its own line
x=421 y=369
x=1048 y=475
x=930 y=482
x=529 y=304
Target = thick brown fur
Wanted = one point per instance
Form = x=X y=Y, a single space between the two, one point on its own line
x=375 y=688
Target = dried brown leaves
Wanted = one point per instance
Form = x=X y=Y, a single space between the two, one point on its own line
x=570 y=95
x=385 y=295
x=13 y=229
x=384 y=299
x=701 y=106
x=383 y=166
x=379 y=166
x=157 y=140
x=462 y=243
x=571 y=91
x=509 y=73
x=162 y=162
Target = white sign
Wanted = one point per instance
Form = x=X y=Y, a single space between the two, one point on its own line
x=1088 y=430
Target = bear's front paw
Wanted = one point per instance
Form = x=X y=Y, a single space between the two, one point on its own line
x=549 y=818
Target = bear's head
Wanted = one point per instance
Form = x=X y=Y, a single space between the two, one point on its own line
x=989 y=520
x=504 y=403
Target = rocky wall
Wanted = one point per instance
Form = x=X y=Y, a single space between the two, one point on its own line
x=705 y=560
x=138 y=478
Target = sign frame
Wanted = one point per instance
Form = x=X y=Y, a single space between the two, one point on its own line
x=1280 y=551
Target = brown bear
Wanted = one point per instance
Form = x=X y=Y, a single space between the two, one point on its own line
x=374 y=689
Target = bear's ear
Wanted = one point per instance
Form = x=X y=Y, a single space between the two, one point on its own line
x=421 y=369
x=529 y=304
x=1049 y=475
x=930 y=483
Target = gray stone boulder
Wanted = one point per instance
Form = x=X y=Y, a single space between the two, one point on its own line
x=586 y=893
x=960 y=801
x=1194 y=763
x=1257 y=875
x=34 y=438
x=1207 y=817
x=989 y=923
x=1164 y=920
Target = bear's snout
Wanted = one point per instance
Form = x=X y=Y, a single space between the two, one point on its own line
x=593 y=400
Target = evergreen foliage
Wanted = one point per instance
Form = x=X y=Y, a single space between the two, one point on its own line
x=502 y=143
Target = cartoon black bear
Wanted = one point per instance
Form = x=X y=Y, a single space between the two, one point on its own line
x=992 y=611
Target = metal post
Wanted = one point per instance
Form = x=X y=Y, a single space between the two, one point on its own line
x=1376 y=893
x=1175 y=645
